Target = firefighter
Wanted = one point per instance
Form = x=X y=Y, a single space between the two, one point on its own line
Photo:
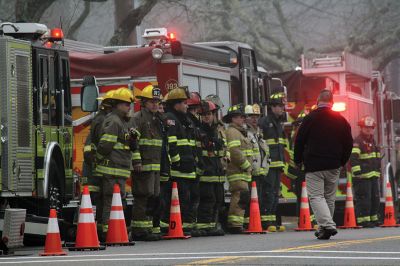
x=182 y=155
x=212 y=178
x=93 y=178
x=162 y=214
x=220 y=125
x=146 y=168
x=275 y=137
x=239 y=169
x=260 y=162
x=115 y=150
x=365 y=163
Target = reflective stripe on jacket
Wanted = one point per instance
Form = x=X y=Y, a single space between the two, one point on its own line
x=241 y=153
x=365 y=159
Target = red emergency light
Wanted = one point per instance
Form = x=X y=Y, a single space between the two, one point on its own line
x=56 y=34
x=171 y=36
x=339 y=107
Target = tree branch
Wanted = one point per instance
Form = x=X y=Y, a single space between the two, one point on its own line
x=78 y=23
x=133 y=19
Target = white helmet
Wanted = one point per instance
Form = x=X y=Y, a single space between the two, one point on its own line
x=252 y=109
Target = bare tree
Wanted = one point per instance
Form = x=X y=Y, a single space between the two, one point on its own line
x=78 y=23
x=133 y=18
x=31 y=10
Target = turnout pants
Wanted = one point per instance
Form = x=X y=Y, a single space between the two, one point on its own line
x=270 y=196
x=107 y=189
x=93 y=181
x=146 y=191
x=189 y=201
x=211 y=202
x=321 y=189
x=240 y=199
x=366 y=199
x=161 y=216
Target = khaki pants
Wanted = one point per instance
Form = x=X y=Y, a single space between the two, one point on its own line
x=321 y=189
x=240 y=198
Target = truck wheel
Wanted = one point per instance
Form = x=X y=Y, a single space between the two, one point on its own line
x=55 y=189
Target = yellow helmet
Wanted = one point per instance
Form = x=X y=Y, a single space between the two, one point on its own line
x=252 y=109
x=177 y=94
x=108 y=95
x=150 y=92
x=123 y=94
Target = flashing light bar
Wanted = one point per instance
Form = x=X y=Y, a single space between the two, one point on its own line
x=172 y=36
x=56 y=34
x=339 y=107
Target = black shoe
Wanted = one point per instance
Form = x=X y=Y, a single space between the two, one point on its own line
x=215 y=232
x=146 y=237
x=235 y=230
x=325 y=233
x=198 y=233
x=367 y=224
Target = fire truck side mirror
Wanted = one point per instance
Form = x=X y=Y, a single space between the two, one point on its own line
x=89 y=95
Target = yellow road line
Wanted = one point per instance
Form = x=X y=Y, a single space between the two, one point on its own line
x=233 y=259
x=216 y=260
x=340 y=243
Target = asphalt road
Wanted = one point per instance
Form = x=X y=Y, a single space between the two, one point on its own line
x=377 y=246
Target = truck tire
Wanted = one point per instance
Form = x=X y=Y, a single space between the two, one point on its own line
x=55 y=187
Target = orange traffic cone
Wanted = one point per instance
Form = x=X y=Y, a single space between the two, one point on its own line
x=254 y=217
x=86 y=234
x=349 y=215
x=390 y=219
x=52 y=246
x=175 y=223
x=117 y=233
x=304 y=217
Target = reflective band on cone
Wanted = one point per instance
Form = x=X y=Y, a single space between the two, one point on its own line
x=117 y=233
x=86 y=233
x=175 y=222
x=390 y=217
x=304 y=217
x=349 y=215
x=53 y=240
x=255 y=226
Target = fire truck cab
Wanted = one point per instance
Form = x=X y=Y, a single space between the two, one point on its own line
x=36 y=121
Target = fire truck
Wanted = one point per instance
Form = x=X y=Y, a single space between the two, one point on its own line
x=36 y=124
x=358 y=91
x=164 y=61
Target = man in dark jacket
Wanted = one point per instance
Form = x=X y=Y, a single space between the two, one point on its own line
x=323 y=145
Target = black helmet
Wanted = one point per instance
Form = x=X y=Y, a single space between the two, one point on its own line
x=233 y=111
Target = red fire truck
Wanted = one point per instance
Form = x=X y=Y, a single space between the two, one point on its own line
x=358 y=91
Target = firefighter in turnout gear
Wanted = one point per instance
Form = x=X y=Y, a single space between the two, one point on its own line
x=182 y=155
x=260 y=162
x=213 y=149
x=89 y=152
x=146 y=165
x=115 y=150
x=274 y=135
x=239 y=169
x=220 y=125
x=365 y=163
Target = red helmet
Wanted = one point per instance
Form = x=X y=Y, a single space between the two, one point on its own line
x=207 y=106
x=194 y=99
x=367 y=121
